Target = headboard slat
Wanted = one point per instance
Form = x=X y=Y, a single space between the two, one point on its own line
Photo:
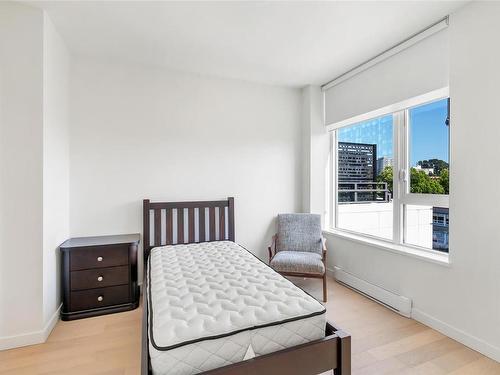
x=230 y=218
x=157 y=217
x=169 y=226
x=152 y=220
x=180 y=225
x=201 y=226
x=211 y=224
x=222 y=223
x=191 y=227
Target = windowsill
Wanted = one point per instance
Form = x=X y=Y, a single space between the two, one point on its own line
x=428 y=256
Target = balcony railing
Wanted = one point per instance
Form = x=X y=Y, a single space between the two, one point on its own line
x=363 y=192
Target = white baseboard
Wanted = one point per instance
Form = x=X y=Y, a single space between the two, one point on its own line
x=456 y=334
x=47 y=330
x=398 y=303
x=31 y=338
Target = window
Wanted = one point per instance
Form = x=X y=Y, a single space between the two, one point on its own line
x=429 y=147
x=391 y=176
x=365 y=203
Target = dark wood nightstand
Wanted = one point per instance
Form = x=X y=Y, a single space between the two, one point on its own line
x=99 y=275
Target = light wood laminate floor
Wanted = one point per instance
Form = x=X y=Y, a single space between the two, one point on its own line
x=382 y=343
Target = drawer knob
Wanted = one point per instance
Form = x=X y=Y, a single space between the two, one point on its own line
x=100 y=278
x=99 y=259
x=100 y=298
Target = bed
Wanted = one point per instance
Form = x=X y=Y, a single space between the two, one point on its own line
x=212 y=307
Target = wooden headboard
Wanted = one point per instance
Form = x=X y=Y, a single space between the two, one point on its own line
x=170 y=223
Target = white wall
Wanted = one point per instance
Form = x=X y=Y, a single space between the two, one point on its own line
x=306 y=116
x=138 y=132
x=34 y=183
x=55 y=165
x=316 y=163
x=474 y=234
x=462 y=300
x=21 y=106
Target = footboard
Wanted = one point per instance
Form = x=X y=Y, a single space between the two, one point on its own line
x=331 y=352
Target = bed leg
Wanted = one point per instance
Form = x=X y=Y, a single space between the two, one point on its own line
x=344 y=354
x=144 y=339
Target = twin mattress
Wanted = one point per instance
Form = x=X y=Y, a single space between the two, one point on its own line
x=213 y=304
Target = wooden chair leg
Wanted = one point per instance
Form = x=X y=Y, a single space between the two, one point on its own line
x=324 y=289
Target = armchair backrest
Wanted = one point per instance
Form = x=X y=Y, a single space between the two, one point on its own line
x=299 y=232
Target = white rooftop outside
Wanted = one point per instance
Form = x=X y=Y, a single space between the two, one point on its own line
x=376 y=219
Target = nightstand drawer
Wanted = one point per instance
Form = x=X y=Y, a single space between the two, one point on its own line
x=100 y=297
x=99 y=257
x=99 y=277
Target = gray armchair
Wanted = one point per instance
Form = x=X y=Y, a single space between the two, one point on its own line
x=298 y=249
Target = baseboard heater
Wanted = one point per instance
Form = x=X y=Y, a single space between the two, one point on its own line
x=397 y=303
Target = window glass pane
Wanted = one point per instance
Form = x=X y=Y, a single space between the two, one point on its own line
x=429 y=148
x=365 y=159
x=427 y=227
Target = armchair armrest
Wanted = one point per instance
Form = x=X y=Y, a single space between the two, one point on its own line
x=272 y=248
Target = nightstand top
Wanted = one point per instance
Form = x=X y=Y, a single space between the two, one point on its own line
x=101 y=240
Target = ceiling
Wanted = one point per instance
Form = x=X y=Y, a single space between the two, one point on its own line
x=282 y=43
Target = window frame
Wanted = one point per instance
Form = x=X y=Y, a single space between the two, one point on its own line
x=401 y=172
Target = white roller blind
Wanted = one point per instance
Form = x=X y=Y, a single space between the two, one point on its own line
x=416 y=70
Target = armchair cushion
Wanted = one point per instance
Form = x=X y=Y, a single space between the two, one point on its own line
x=299 y=232
x=298 y=261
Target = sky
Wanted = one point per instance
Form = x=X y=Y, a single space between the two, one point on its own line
x=428 y=133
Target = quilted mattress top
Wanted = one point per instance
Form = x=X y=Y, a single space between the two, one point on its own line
x=214 y=289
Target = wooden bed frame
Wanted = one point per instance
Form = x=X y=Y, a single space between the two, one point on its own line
x=333 y=352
